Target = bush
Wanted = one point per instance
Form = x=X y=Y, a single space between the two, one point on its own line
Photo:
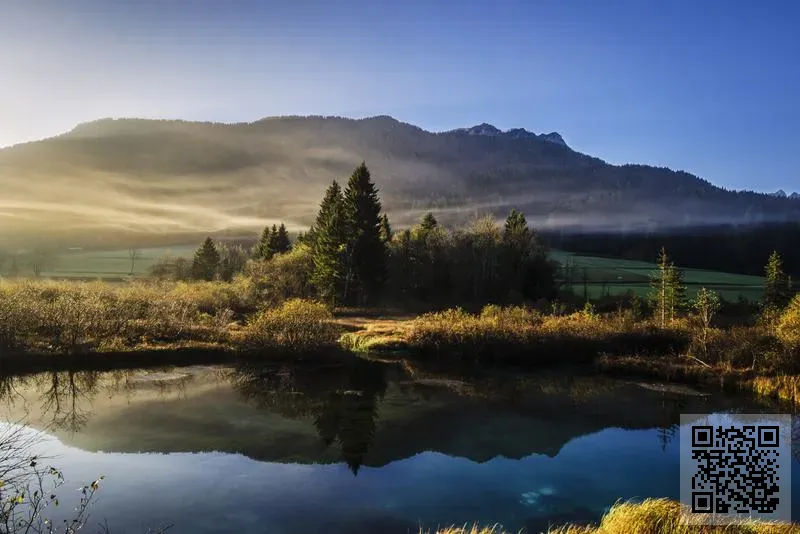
x=285 y=276
x=789 y=324
x=296 y=325
x=522 y=336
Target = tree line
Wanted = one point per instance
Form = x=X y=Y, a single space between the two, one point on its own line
x=356 y=258
x=668 y=291
x=728 y=248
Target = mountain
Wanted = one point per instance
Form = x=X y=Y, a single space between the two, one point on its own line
x=514 y=133
x=113 y=180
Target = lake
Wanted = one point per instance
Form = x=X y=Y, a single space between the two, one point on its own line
x=357 y=446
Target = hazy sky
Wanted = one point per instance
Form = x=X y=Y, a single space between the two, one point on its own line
x=707 y=86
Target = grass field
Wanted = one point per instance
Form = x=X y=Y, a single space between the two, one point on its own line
x=616 y=276
x=111 y=264
x=604 y=275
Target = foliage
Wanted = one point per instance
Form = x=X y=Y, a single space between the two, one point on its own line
x=479 y=264
x=706 y=304
x=777 y=289
x=266 y=283
x=206 y=261
x=329 y=247
x=232 y=259
x=365 y=272
x=523 y=336
x=296 y=325
x=668 y=293
x=789 y=326
x=385 y=229
x=28 y=489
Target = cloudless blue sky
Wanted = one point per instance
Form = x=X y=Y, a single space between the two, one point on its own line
x=706 y=86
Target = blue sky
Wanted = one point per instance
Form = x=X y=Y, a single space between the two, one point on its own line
x=710 y=87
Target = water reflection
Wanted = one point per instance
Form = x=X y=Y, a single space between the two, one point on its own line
x=358 y=445
x=360 y=411
x=343 y=401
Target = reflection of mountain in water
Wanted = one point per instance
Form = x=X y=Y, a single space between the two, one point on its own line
x=360 y=412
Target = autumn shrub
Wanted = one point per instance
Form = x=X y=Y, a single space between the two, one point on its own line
x=296 y=325
x=285 y=276
x=789 y=323
x=744 y=347
x=523 y=336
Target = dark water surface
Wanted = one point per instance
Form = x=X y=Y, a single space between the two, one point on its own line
x=354 y=447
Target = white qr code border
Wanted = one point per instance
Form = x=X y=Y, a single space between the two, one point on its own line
x=762 y=441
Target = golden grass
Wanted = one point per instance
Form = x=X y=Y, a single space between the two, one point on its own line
x=296 y=325
x=520 y=335
x=377 y=335
x=653 y=516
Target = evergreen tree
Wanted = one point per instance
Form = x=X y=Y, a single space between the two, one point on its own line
x=517 y=247
x=777 y=288
x=282 y=242
x=328 y=246
x=386 y=229
x=428 y=222
x=365 y=251
x=668 y=290
x=206 y=261
x=264 y=248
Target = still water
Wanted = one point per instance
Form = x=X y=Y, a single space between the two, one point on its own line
x=354 y=447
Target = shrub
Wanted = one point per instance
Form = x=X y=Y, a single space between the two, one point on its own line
x=789 y=325
x=270 y=282
x=296 y=325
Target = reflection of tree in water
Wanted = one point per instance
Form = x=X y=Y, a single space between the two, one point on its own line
x=343 y=400
x=63 y=396
x=670 y=416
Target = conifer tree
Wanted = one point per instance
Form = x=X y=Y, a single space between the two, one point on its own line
x=282 y=242
x=517 y=246
x=328 y=246
x=777 y=288
x=386 y=229
x=365 y=252
x=668 y=292
x=263 y=249
x=428 y=222
x=206 y=261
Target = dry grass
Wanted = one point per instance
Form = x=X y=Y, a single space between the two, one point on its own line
x=376 y=335
x=296 y=325
x=522 y=336
x=653 y=516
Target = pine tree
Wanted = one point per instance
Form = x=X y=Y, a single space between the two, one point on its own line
x=282 y=242
x=365 y=252
x=263 y=249
x=777 y=289
x=668 y=290
x=328 y=246
x=386 y=229
x=206 y=261
x=428 y=222
x=517 y=244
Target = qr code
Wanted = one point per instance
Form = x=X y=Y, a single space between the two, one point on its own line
x=735 y=466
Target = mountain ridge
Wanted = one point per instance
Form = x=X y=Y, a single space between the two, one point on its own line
x=156 y=176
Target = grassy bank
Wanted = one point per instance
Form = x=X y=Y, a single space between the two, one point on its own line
x=145 y=320
x=78 y=318
x=653 y=516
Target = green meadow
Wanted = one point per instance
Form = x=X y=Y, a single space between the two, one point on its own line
x=111 y=264
x=615 y=276
x=611 y=276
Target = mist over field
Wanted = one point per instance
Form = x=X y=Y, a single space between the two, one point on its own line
x=147 y=181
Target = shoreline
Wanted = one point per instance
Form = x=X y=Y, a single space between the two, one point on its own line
x=387 y=338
